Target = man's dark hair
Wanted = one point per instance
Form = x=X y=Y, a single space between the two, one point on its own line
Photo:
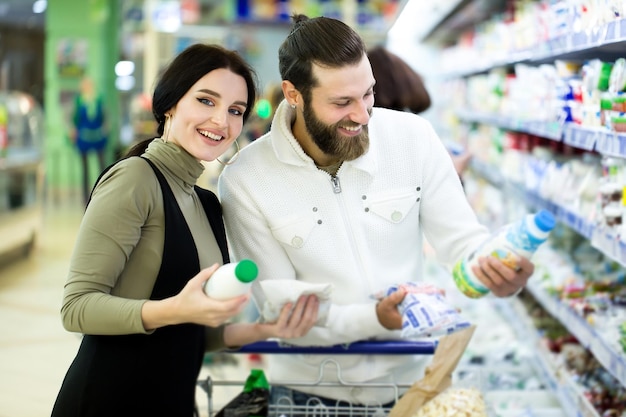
x=323 y=41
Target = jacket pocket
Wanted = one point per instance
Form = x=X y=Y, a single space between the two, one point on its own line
x=294 y=230
x=393 y=205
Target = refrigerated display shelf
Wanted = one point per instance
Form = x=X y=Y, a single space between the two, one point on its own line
x=574 y=403
x=605 y=42
x=609 y=356
x=502 y=361
x=545 y=129
x=599 y=139
x=603 y=240
x=608 y=39
x=605 y=352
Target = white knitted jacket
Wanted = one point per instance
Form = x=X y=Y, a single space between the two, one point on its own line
x=288 y=216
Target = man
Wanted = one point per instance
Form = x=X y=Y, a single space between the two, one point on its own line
x=340 y=192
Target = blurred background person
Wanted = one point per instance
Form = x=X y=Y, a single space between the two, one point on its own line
x=399 y=87
x=88 y=131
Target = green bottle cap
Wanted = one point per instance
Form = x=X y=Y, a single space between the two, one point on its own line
x=246 y=270
x=606 y=104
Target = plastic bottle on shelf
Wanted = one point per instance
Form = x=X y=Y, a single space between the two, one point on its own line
x=231 y=280
x=515 y=240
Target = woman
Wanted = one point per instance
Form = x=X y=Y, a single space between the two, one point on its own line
x=148 y=241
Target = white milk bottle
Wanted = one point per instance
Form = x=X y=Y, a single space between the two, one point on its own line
x=231 y=280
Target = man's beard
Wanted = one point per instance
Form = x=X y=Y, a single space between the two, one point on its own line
x=331 y=142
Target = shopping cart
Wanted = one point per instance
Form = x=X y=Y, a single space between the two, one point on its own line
x=315 y=407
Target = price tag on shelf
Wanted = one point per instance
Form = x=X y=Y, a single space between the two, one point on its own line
x=569 y=400
x=608 y=244
x=610 y=359
x=621 y=29
x=570 y=219
x=579 y=40
x=559 y=44
x=596 y=36
x=612 y=143
x=578 y=327
x=621 y=252
x=613 y=32
x=580 y=138
x=585 y=409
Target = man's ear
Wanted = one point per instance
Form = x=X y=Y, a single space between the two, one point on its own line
x=292 y=95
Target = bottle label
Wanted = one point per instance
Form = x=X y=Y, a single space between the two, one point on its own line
x=465 y=283
x=522 y=239
x=509 y=258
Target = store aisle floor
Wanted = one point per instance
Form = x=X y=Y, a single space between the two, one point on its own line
x=35 y=349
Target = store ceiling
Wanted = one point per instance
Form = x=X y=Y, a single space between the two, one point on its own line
x=19 y=14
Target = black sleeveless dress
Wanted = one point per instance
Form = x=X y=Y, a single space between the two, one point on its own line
x=139 y=374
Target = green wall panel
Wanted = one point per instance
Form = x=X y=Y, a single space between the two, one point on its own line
x=82 y=38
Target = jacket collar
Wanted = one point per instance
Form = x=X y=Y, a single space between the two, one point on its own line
x=288 y=150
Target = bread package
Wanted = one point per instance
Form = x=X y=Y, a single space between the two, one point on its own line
x=437 y=377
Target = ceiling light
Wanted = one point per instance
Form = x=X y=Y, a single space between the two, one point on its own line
x=40 y=6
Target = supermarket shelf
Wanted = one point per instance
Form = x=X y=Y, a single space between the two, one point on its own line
x=603 y=240
x=602 y=41
x=610 y=357
x=572 y=400
x=563 y=214
x=550 y=398
x=21 y=159
x=549 y=130
x=588 y=138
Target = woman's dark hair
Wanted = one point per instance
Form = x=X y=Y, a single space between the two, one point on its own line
x=398 y=86
x=185 y=70
x=322 y=41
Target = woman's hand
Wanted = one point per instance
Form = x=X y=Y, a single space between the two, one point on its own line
x=192 y=305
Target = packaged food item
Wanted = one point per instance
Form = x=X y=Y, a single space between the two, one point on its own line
x=275 y=293
x=438 y=375
x=252 y=401
x=425 y=311
x=457 y=402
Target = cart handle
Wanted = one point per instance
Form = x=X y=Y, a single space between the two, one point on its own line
x=386 y=347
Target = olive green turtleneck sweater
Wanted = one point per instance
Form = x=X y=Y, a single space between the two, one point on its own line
x=117 y=254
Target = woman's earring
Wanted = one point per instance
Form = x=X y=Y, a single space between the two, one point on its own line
x=166 y=127
x=293 y=105
x=234 y=157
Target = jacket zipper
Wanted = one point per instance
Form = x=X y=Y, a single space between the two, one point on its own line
x=355 y=248
x=336 y=185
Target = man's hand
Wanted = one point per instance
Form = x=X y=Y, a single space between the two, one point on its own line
x=503 y=281
x=387 y=310
x=295 y=321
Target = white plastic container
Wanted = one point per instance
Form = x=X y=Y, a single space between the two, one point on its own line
x=231 y=280
x=508 y=244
